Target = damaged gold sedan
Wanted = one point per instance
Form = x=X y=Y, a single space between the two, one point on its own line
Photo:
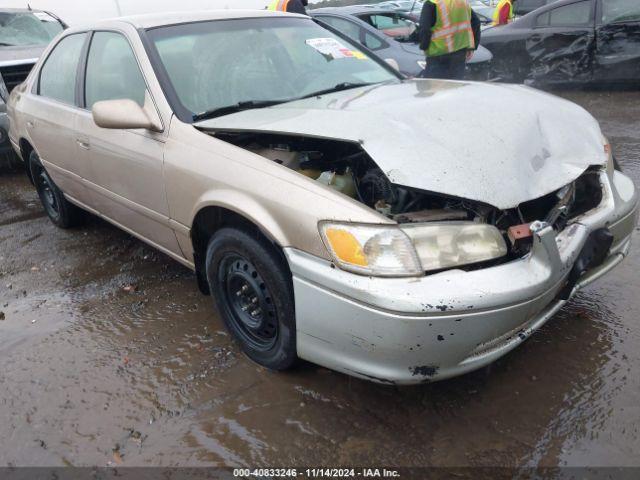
x=336 y=211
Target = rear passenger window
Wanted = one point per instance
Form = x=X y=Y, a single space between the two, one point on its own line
x=112 y=71
x=58 y=74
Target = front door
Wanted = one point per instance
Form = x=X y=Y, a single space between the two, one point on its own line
x=562 y=44
x=126 y=166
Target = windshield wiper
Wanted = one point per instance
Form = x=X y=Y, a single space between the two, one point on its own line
x=238 y=107
x=4 y=44
x=337 y=88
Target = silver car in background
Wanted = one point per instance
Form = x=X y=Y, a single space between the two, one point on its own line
x=24 y=34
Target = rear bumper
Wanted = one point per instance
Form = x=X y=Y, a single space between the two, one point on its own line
x=406 y=331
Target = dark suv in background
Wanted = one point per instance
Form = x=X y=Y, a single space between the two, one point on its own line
x=24 y=34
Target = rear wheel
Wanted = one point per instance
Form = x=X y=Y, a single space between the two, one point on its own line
x=60 y=211
x=252 y=290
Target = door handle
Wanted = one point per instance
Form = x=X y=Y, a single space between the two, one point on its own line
x=83 y=144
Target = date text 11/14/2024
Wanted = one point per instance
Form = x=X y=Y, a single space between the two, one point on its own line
x=315 y=473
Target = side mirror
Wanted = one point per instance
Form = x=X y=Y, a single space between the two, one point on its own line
x=123 y=114
x=394 y=64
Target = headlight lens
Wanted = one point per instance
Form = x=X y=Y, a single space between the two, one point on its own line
x=410 y=250
x=377 y=250
x=422 y=64
x=445 y=245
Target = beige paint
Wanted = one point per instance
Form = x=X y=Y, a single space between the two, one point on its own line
x=150 y=174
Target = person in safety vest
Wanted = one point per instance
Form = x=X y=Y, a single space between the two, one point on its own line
x=503 y=13
x=449 y=33
x=291 y=6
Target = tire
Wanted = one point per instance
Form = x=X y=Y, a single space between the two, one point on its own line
x=59 y=210
x=252 y=290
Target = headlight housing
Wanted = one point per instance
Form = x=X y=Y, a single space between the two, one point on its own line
x=410 y=250
x=376 y=250
x=449 y=244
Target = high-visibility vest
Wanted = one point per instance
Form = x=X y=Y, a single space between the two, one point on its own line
x=496 y=12
x=278 y=5
x=452 y=31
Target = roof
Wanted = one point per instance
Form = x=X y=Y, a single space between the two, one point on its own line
x=172 y=18
x=351 y=10
x=357 y=10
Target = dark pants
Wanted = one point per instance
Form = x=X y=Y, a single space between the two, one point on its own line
x=450 y=66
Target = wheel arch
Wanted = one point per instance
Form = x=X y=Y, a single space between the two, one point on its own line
x=210 y=217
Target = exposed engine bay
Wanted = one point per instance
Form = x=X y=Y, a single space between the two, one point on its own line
x=346 y=167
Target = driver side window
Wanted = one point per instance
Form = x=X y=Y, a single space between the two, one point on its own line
x=573 y=15
x=112 y=71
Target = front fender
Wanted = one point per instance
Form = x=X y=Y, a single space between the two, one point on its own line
x=247 y=207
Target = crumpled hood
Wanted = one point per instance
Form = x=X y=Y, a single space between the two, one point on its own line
x=497 y=144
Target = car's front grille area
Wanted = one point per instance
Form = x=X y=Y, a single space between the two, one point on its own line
x=584 y=194
x=14 y=75
x=557 y=209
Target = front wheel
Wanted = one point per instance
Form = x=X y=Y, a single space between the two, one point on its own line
x=252 y=290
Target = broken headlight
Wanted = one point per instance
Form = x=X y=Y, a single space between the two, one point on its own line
x=391 y=251
x=451 y=244
x=376 y=250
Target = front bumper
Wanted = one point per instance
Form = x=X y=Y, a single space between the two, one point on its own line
x=406 y=331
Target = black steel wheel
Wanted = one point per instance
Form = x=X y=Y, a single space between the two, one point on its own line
x=252 y=289
x=59 y=210
x=250 y=302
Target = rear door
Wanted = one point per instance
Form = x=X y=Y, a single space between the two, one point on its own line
x=562 y=44
x=51 y=110
x=617 y=56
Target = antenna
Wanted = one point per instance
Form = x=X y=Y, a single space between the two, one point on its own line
x=29 y=7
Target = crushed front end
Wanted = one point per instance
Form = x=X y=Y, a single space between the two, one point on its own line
x=406 y=331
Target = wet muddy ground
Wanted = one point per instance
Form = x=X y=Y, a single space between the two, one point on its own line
x=109 y=355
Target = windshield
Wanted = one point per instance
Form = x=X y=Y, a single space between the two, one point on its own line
x=217 y=64
x=27 y=28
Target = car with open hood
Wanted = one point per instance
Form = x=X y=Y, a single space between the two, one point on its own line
x=336 y=211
